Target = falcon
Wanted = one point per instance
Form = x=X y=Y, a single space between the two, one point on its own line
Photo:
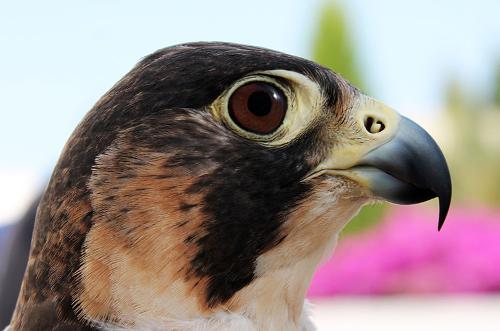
x=202 y=191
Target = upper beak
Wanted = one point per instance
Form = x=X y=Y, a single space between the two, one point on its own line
x=404 y=165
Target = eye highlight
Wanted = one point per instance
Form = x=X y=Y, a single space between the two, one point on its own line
x=258 y=107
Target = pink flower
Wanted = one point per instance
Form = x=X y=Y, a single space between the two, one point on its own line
x=406 y=254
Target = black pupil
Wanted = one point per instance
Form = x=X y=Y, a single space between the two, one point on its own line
x=260 y=103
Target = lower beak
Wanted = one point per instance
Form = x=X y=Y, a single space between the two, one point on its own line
x=400 y=163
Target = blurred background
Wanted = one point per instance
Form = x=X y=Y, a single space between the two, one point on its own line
x=437 y=62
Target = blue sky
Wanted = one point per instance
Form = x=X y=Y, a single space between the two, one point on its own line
x=58 y=58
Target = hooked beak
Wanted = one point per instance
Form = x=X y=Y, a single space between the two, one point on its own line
x=402 y=165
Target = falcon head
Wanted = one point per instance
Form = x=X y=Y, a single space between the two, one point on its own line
x=209 y=182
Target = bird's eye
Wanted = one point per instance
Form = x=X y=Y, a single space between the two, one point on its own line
x=258 y=107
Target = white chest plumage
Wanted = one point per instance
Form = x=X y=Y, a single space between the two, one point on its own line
x=220 y=322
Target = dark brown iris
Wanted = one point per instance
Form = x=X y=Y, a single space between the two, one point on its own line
x=258 y=107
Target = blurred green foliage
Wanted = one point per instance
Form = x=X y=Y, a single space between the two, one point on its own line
x=496 y=95
x=334 y=48
x=333 y=44
x=474 y=156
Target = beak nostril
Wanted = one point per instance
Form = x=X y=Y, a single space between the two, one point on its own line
x=381 y=126
x=373 y=126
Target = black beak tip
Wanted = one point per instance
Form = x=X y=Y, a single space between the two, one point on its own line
x=444 y=195
x=442 y=216
x=444 y=206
